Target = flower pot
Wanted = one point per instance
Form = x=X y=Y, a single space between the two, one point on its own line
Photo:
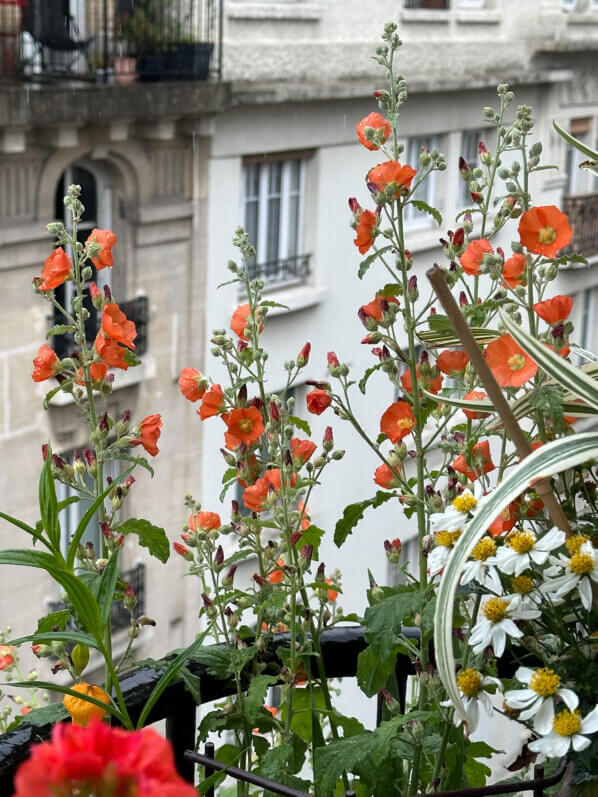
x=189 y=61
x=152 y=67
x=125 y=69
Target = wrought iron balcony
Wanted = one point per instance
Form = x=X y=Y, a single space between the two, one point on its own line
x=582 y=210
x=281 y=273
x=441 y=4
x=110 y=40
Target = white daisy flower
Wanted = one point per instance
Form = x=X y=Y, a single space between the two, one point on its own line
x=568 y=729
x=580 y=570
x=472 y=685
x=523 y=549
x=497 y=621
x=480 y=568
x=457 y=514
x=537 y=700
x=440 y=554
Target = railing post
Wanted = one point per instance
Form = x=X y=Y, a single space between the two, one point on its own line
x=210 y=752
x=180 y=732
x=538 y=775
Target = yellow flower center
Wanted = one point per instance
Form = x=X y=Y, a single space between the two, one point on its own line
x=516 y=362
x=581 y=563
x=245 y=425
x=574 y=543
x=546 y=235
x=447 y=538
x=523 y=584
x=469 y=682
x=567 y=723
x=522 y=541
x=404 y=423
x=496 y=609
x=483 y=550
x=465 y=503
x=545 y=682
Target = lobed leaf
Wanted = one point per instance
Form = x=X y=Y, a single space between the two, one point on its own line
x=353 y=513
x=154 y=538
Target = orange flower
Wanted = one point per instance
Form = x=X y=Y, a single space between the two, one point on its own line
x=332 y=593
x=274 y=478
x=111 y=352
x=212 y=403
x=82 y=711
x=304 y=512
x=45 y=363
x=239 y=321
x=97 y=372
x=397 y=421
x=106 y=239
x=513 y=269
x=374 y=309
x=380 y=125
x=276 y=576
x=429 y=384
x=481 y=461
x=367 y=224
x=254 y=496
x=386 y=477
x=192 y=384
x=452 y=361
x=245 y=425
x=301 y=450
x=205 y=521
x=511 y=366
x=554 y=310
x=318 y=401
x=504 y=522
x=474 y=395
x=117 y=327
x=472 y=257
x=7 y=657
x=391 y=173
x=56 y=269
x=544 y=230
x=149 y=432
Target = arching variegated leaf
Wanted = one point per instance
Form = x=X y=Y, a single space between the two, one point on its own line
x=543 y=463
x=441 y=339
x=480 y=405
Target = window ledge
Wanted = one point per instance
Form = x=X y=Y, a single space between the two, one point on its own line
x=582 y=18
x=476 y=16
x=424 y=15
x=298 y=298
x=122 y=379
x=311 y=12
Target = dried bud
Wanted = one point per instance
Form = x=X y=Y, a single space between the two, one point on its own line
x=219 y=557
x=354 y=206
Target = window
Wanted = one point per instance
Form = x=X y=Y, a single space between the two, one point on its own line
x=442 y=4
x=273 y=214
x=569 y=5
x=426 y=192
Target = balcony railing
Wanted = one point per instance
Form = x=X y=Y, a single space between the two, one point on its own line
x=441 y=4
x=582 y=210
x=110 y=40
x=280 y=273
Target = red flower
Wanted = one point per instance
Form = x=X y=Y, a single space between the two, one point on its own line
x=386 y=477
x=56 y=269
x=106 y=239
x=391 y=173
x=379 y=124
x=45 y=364
x=205 y=521
x=100 y=759
x=192 y=384
x=301 y=450
x=472 y=257
x=513 y=270
x=254 y=496
x=238 y=323
x=544 y=230
x=554 y=310
x=481 y=461
x=367 y=225
x=504 y=522
x=432 y=385
x=474 y=395
x=318 y=401
x=276 y=576
x=273 y=477
x=212 y=403
x=149 y=432
x=7 y=658
x=397 y=421
x=117 y=327
x=111 y=352
x=332 y=593
x=245 y=425
x=511 y=366
x=452 y=362
x=374 y=309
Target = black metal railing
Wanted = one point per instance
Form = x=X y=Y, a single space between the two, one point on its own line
x=341 y=647
x=110 y=40
x=287 y=271
x=582 y=210
x=441 y=4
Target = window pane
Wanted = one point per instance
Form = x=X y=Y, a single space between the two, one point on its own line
x=295 y=174
x=273 y=229
x=293 y=238
x=274 y=178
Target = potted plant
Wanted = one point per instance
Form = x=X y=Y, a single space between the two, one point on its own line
x=188 y=59
x=142 y=35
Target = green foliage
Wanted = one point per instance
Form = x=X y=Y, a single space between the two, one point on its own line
x=353 y=513
x=425 y=208
x=367 y=262
x=154 y=538
x=300 y=424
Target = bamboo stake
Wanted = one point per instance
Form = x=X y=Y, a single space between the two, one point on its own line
x=495 y=394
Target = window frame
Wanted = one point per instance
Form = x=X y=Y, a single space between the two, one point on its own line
x=413 y=218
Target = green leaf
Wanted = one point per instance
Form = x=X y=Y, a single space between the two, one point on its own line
x=229 y=473
x=274 y=304
x=142 y=461
x=51 y=393
x=216 y=660
x=151 y=537
x=256 y=694
x=311 y=536
x=57 y=636
x=192 y=684
x=53 y=687
x=59 y=329
x=300 y=424
x=354 y=513
x=552 y=458
x=365 y=264
x=20 y=524
x=549 y=401
x=440 y=323
x=337 y=757
x=48 y=503
x=169 y=674
x=372 y=672
x=367 y=374
x=438 y=340
x=107 y=587
x=479 y=405
x=579 y=145
x=47 y=715
x=53 y=620
x=425 y=208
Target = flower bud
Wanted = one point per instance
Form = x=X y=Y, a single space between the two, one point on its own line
x=328 y=441
x=303 y=356
x=412 y=291
x=228 y=579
